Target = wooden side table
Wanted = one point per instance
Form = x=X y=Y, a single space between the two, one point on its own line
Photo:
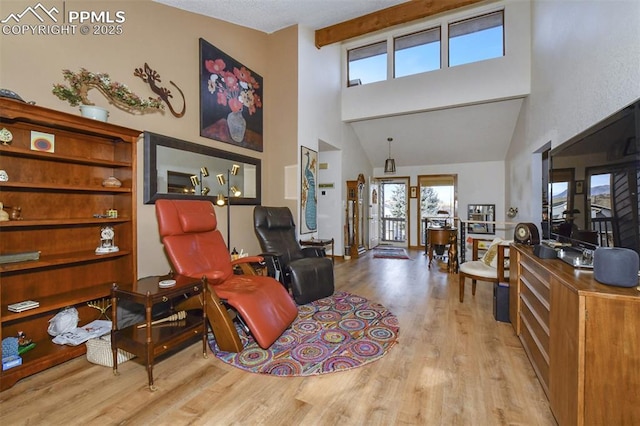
x=319 y=243
x=148 y=340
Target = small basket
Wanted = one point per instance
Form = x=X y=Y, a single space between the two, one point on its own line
x=99 y=352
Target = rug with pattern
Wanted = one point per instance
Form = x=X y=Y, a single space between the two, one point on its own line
x=390 y=253
x=336 y=333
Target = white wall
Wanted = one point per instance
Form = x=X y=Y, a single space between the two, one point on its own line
x=330 y=210
x=500 y=78
x=478 y=183
x=585 y=66
x=319 y=120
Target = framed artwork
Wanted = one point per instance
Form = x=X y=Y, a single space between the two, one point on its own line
x=413 y=193
x=579 y=186
x=230 y=99
x=308 y=190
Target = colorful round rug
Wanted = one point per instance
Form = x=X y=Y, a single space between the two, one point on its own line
x=337 y=333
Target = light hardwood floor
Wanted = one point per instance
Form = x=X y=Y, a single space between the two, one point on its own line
x=453 y=365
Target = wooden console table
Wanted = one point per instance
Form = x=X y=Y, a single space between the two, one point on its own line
x=581 y=338
x=149 y=341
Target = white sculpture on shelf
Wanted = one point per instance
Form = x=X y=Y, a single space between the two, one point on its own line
x=106 y=241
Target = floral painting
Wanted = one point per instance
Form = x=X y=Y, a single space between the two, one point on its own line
x=308 y=190
x=230 y=99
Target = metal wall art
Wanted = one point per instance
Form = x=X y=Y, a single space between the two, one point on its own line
x=152 y=77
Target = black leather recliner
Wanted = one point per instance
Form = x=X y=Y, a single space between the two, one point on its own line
x=305 y=271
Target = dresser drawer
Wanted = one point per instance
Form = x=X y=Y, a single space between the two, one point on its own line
x=538 y=282
x=538 y=360
x=538 y=307
x=538 y=330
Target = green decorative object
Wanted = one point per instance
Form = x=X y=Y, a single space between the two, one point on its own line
x=116 y=93
x=23 y=349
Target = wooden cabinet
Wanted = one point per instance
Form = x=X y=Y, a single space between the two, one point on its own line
x=581 y=338
x=355 y=218
x=56 y=164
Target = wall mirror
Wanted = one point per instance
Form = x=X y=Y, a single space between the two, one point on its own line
x=176 y=169
x=481 y=213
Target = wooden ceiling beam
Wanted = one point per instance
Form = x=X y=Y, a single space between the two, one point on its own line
x=395 y=15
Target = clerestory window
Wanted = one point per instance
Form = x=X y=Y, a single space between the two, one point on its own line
x=476 y=39
x=417 y=52
x=469 y=40
x=367 y=64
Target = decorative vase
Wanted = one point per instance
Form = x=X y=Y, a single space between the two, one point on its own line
x=94 y=112
x=237 y=125
x=111 y=182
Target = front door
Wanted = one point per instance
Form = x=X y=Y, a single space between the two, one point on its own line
x=393 y=210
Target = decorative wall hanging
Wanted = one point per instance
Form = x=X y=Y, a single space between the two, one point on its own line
x=230 y=99
x=152 y=77
x=6 y=136
x=308 y=192
x=43 y=141
x=116 y=93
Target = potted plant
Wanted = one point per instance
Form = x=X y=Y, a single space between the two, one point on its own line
x=118 y=94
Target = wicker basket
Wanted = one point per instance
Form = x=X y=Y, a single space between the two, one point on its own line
x=99 y=352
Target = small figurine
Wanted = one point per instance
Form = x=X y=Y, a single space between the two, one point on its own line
x=16 y=213
x=22 y=339
x=24 y=344
x=4 y=216
x=452 y=267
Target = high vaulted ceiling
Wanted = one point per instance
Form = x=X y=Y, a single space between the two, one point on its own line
x=454 y=135
x=272 y=15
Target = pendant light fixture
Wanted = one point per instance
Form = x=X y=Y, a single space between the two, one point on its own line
x=390 y=163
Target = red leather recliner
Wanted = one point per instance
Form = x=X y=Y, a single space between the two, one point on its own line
x=195 y=247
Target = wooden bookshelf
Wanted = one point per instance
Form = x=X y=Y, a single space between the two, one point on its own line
x=60 y=193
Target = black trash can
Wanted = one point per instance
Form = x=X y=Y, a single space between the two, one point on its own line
x=501 y=302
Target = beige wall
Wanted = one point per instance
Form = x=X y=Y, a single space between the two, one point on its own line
x=166 y=39
x=282 y=112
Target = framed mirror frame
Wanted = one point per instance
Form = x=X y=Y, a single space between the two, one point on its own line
x=153 y=141
x=483 y=213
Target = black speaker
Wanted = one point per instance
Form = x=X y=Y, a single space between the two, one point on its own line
x=616 y=266
x=544 y=252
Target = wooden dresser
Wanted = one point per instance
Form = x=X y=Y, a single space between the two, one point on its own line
x=582 y=338
x=56 y=164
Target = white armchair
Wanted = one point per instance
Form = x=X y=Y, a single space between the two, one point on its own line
x=493 y=266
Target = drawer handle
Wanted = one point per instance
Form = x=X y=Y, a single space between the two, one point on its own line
x=165 y=299
x=196 y=288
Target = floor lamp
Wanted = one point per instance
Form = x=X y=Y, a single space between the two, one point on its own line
x=231 y=191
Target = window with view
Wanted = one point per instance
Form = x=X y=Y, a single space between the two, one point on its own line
x=476 y=39
x=417 y=52
x=437 y=203
x=367 y=64
x=560 y=188
x=602 y=214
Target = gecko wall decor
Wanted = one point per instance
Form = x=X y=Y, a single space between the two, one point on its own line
x=152 y=77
